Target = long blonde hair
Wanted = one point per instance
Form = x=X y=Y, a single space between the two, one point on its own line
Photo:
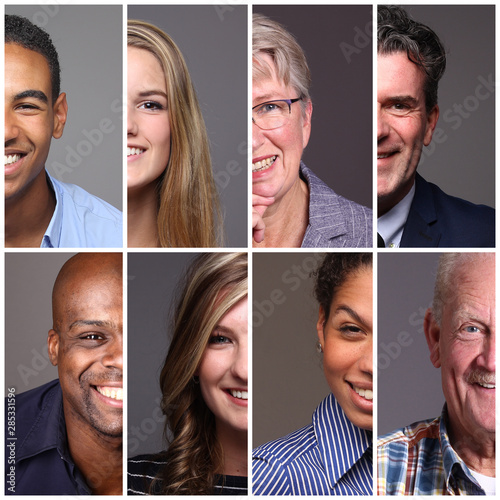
x=213 y=285
x=189 y=213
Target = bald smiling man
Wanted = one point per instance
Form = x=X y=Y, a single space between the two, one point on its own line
x=69 y=432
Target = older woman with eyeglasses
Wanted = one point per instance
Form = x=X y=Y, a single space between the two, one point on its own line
x=291 y=206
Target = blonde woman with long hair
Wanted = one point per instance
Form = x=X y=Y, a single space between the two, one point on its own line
x=204 y=384
x=172 y=198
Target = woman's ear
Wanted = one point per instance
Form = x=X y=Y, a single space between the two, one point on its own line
x=320 y=325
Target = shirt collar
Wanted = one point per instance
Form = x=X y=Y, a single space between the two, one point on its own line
x=457 y=474
x=52 y=235
x=390 y=225
x=341 y=443
x=49 y=430
x=319 y=204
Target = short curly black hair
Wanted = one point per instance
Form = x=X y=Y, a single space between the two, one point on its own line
x=335 y=269
x=23 y=32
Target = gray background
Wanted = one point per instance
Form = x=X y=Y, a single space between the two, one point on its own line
x=463 y=165
x=340 y=148
x=288 y=379
x=29 y=278
x=152 y=281
x=213 y=40
x=409 y=387
x=89 y=42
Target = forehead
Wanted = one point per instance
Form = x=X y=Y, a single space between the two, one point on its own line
x=26 y=69
x=398 y=76
x=93 y=298
x=473 y=285
x=144 y=70
x=270 y=88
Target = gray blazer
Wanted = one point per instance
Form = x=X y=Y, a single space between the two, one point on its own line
x=334 y=222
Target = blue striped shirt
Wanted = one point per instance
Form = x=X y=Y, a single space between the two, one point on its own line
x=331 y=456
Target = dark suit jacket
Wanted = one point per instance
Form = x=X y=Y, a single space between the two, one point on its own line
x=440 y=220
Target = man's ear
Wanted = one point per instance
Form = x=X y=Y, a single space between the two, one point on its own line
x=320 y=326
x=53 y=345
x=432 y=335
x=432 y=119
x=60 y=115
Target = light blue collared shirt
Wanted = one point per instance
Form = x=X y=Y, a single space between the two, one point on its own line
x=391 y=225
x=81 y=220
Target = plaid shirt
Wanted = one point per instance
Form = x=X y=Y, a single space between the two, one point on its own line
x=419 y=460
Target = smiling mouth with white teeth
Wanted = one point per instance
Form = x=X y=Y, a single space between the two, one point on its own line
x=8 y=159
x=134 y=151
x=486 y=385
x=385 y=155
x=259 y=166
x=110 y=392
x=364 y=393
x=239 y=394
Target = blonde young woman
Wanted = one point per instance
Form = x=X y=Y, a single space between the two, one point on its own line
x=205 y=387
x=172 y=198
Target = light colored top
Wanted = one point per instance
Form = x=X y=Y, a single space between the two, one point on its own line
x=391 y=225
x=81 y=220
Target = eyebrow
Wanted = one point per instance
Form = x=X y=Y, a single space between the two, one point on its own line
x=404 y=99
x=90 y=322
x=351 y=312
x=36 y=94
x=264 y=98
x=149 y=93
x=222 y=329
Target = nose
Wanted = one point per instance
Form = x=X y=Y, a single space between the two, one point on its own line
x=11 y=128
x=131 y=122
x=366 y=359
x=382 y=125
x=257 y=137
x=113 y=355
x=240 y=363
x=487 y=357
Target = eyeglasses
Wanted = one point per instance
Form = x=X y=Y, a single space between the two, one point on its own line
x=273 y=114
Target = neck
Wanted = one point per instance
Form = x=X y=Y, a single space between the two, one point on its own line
x=234 y=445
x=142 y=217
x=475 y=447
x=98 y=457
x=28 y=214
x=286 y=219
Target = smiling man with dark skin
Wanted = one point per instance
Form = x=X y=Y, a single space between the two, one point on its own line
x=41 y=210
x=69 y=431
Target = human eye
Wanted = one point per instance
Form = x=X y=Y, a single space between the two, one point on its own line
x=152 y=106
x=351 y=331
x=271 y=107
x=92 y=338
x=27 y=108
x=219 y=339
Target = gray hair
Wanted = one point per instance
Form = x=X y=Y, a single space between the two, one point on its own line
x=397 y=32
x=449 y=267
x=271 y=38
